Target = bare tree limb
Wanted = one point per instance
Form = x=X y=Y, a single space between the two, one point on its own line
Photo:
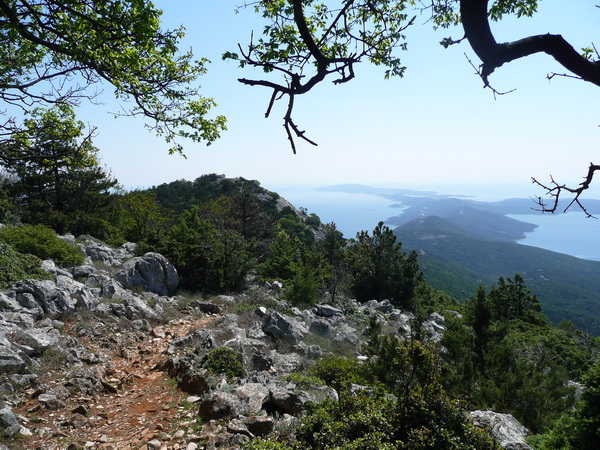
x=555 y=190
x=474 y=16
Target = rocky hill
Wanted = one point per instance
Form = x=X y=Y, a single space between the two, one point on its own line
x=104 y=356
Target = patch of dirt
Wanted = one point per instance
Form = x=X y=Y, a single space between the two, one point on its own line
x=142 y=407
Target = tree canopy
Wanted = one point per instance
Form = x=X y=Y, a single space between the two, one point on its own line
x=64 y=51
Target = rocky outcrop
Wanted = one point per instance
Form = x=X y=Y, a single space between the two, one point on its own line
x=85 y=319
x=507 y=430
x=151 y=272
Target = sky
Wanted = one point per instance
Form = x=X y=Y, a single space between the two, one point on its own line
x=435 y=126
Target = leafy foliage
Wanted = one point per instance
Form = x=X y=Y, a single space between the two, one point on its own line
x=380 y=270
x=41 y=242
x=224 y=361
x=207 y=257
x=503 y=355
x=15 y=266
x=63 y=186
x=54 y=52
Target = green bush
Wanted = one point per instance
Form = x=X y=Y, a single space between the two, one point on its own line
x=15 y=266
x=224 y=361
x=42 y=242
x=338 y=372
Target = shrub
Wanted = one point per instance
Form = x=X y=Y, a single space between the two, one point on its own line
x=224 y=361
x=15 y=266
x=42 y=242
x=338 y=372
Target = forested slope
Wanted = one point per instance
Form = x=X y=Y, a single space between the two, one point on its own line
x=456 y=260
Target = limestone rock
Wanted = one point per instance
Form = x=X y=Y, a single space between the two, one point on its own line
x=49 y=266
x=507 y=430
x=252 y=396
x=219 y=405
x=326 y=311
x=11 y=361
x=151 y=272
x=281 y=327
x=84 y=297
x=42 y=297
x=260 y=425
x=9 y=422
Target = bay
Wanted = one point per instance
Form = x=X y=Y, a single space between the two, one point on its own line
x=571 y=233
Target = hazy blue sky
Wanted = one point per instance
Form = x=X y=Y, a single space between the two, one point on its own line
x=435 y=125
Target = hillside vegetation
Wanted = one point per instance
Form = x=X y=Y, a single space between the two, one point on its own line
x=456 y=261
x=402 y=359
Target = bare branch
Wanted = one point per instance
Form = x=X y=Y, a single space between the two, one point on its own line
x=486 y=84
x=555 y=190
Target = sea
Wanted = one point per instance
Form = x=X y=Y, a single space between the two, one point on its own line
x=571 y=233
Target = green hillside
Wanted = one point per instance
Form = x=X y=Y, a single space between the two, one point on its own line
x=456 y=260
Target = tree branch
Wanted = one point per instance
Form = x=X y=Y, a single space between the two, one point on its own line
x=555 y=190
x=474 y=15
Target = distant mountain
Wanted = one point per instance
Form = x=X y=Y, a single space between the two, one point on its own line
x=455 y=259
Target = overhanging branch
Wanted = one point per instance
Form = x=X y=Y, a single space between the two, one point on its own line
x=555 y=190
x=474 y=16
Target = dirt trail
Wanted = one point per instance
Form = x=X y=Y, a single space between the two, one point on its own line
x=142 y=409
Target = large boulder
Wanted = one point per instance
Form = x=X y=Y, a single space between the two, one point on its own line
x=151 y=272
x=43 y=298
x=37 y=340
x=282 y=327
x=9 y=422
x=507 y=430
x=99 y=252
x=220 y=405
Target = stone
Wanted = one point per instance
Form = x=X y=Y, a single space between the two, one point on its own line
x=84 y=271
x=190 y=378
x=49 y=266
x=198 y=338
x=320 y=327
x=11 y=362
x=151 y=272
x=51 y=401
x=43 y=298
x=9 y=422
x=97 y=251
x=345 y=334
x=385 y=307
x=219 y=405
x=252 y=396
x=38 y=339
x=260 y=425
x=326 y=311
x=236 y=426
x=507 y=430
x=283 y=400
x=84 y=297
x=281 y=327
x=22 y=320
x=207 y=308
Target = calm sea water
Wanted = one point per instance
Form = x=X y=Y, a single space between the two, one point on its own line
x=350 y=212
x=570 y=233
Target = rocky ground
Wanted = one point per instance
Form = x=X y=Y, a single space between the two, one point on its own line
x=105 y=357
